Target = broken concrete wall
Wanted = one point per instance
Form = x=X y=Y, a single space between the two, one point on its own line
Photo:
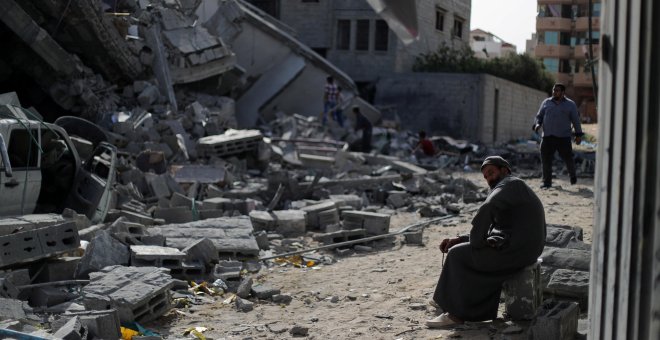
x=461 y=105
x=289 y=72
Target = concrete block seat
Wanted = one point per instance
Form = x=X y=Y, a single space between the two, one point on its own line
x=523 y=293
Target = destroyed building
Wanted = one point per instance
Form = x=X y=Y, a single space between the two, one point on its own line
x=212 y=163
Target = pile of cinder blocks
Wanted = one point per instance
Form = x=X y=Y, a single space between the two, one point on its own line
x=41 y=242
x=138 y=294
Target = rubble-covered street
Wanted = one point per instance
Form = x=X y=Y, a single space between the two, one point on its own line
x=159 y=181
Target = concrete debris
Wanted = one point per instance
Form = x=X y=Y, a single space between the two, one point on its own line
x=137 y=293
x=555 y=320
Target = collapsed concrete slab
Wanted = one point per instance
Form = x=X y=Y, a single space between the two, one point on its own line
x=232 y=236
x=138 y=294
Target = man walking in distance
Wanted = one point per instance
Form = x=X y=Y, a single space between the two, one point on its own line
x=556 y=115
x=508 y=234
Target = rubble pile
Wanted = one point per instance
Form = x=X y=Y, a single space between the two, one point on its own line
x=198 y=202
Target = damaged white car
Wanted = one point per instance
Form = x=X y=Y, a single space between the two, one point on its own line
x=41 y=170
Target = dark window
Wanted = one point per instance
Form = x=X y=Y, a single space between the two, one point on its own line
x=343 y=34
x=439 y=19
x=458 y=27
x=272 y=7
x=382 y=36
x=556 y=11
x=21 y=145
x=362 y=35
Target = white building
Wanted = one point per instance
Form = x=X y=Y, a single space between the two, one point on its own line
x=487 y=45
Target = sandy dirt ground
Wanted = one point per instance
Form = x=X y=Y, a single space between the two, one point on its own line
x=381 y=294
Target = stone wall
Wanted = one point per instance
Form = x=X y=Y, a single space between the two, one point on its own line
x=460 y=105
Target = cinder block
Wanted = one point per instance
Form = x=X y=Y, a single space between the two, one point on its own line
x=104 y=250
x=555 y=320
x=72 y=330
x=263 y=220
x=59 y=238
x=523 y=293
x=58 y=269
x=49 y=296
x=38 y=243
x=101 y=324
x=328 y=217
x=290 y=222
x=414 y=237
x=139 y=218
x=189 y=270
x=154 y=256
x=8 y=289
x=19 y=246
x=174 y=215
x=203 y=250
x=227 y=270
x=340 y=236
x=313 y=211
x=158 y=185
x=373 y=223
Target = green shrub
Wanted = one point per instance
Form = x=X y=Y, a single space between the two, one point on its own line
x=518 y=68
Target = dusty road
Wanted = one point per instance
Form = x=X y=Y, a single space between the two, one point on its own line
x=375 y=295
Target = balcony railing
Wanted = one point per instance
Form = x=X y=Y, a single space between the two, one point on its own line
x=553 y=51
x=580 y=51
x=582 y=24
x=553 y=24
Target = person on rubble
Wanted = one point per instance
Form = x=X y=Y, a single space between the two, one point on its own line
x=508 y=234
x=337 y=111
x=330 y=94
x=556 y=115
x=362 y=123
x=424 y=147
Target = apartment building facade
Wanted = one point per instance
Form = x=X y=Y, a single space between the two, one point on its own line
x=562 y=32
x=352 y=36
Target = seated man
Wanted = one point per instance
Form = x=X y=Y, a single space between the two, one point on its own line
x=508 y=234
x=424 y=147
